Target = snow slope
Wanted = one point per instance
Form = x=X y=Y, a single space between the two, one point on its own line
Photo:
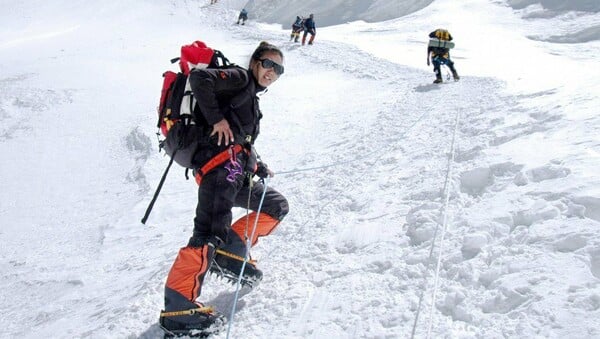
x=328 y=13
x=372 y=147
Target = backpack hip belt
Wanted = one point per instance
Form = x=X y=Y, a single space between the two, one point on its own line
x=217 y=160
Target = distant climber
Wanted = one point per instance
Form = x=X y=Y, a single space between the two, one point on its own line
x=297 y=27
x=309 y=27
x=438 y=50
x=243 y=16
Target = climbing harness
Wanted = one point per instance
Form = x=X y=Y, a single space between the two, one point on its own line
x=228 y=154
x=233 y=167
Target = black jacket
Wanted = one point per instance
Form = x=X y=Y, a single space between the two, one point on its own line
x=227 y=93
x=309 y=25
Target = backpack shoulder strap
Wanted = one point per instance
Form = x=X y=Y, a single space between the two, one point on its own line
x=219 y=60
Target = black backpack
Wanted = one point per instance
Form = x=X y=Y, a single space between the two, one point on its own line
x=182 y=135
x=177 y=102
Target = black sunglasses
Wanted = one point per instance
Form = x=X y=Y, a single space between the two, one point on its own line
x=268 y=63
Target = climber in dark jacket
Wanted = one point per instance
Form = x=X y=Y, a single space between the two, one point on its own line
x=228 y=110
x=243 y=16
x=309 y=27
x=297 y=27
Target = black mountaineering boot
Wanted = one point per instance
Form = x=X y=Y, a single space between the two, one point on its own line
x=228 y=265
x=183 y=315
x=200 y=322
x=455 y=75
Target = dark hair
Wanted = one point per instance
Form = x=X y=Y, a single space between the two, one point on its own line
x=263 y=48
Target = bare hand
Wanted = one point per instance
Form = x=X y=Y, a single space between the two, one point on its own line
x=223 y=131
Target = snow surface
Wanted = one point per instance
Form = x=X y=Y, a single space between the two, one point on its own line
x=329 y=12
x=371 y=142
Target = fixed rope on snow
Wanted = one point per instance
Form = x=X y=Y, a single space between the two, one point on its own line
x=444 y=212
x=448 y=74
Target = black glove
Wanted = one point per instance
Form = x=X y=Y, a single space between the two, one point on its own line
x=263 y=170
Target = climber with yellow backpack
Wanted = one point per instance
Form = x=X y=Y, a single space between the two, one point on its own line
x=438 y=51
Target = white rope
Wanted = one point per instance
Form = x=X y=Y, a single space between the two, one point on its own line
x=447 y=71
x=246 y=258
x=444 y=224
x=446 y=193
